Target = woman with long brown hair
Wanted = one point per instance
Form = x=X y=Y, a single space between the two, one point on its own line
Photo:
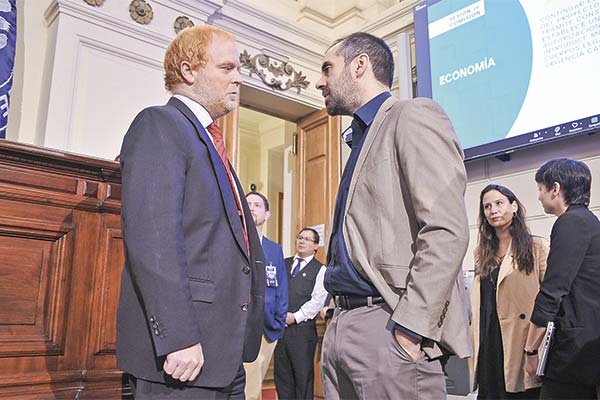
x=509 y=266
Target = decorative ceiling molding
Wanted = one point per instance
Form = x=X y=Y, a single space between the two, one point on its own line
x=94 y=3
x=252 y=24
x=181 y=23
x=157 y=34
x=398 y=18
x=270 y=71
x=352 y=15
x=141 y=12
x=105 y=20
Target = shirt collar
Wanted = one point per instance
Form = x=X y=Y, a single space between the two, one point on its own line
x=198 y=110
x=306 y=260
x=366 y=114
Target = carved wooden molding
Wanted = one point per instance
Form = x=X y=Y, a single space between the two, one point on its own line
x=33 y=158
x=270 y=72
x=44 y=176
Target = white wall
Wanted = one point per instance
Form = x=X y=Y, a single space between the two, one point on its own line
x=30 y=69
x=82 y=73
x=518 y=175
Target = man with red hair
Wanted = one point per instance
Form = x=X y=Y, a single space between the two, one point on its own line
x=191 y=306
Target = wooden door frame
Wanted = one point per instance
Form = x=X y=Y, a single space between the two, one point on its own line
x=333 y=124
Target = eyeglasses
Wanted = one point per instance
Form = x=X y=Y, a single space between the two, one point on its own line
x=305 y=239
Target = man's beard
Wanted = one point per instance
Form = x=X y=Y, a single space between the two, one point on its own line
x=344 y=99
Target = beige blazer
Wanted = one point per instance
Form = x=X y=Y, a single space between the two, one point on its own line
x=515 y=297
x=405 y=223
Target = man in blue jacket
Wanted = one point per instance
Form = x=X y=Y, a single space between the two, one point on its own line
x=276 y=298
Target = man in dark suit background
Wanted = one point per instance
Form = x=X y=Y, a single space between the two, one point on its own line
x=276 y=298
x=295 y=351
x=569 y=296
x=191 y=305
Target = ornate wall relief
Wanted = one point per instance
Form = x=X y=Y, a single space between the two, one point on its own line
x=95 y=3
x=141 y=12
x=273 y=73
x=181 y=23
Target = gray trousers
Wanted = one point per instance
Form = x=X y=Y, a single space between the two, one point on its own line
x=362 y=360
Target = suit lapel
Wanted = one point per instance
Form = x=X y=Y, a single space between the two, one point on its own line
x=506 y=267
x=227 y=195
x=372 y=134
x=254 y=242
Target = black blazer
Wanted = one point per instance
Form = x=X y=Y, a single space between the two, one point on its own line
x=187 y=278
x=570 y=296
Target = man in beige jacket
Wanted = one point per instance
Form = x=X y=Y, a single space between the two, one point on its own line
x=398 y=236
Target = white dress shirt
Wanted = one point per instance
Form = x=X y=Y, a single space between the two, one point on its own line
x=311 y=308
x=205 y=119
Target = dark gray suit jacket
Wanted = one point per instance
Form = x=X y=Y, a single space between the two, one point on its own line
x=187 y=276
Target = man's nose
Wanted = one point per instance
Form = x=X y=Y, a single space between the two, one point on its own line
x=237 y=79
x=320 y=83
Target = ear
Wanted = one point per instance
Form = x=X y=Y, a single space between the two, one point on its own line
x=514 y=206
x=360 y=65
x=187 y=72
x=267 y=215
x=555 y=189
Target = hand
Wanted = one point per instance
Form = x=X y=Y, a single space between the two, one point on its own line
x=411 y=345
x=323 y=312
x=289 y=319
x=185 y=364
x=531 y=364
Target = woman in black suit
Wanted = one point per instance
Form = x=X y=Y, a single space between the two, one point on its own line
x=570 y=292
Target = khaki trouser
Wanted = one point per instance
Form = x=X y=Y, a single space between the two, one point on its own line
x=362 y=360
x=256 y=370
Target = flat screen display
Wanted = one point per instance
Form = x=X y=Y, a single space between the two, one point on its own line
x=510 y=73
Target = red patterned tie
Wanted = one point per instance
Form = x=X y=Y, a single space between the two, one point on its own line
x=217 y=136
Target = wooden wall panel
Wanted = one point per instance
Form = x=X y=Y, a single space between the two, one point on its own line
x=62 y=257
x=107 y=284
x=35 y=263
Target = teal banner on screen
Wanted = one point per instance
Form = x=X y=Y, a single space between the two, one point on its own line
x=482 y=49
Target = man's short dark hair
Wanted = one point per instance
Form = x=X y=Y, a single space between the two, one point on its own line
x=378 y=51
x=315 y=234
x=264 y=199
x=573 y=176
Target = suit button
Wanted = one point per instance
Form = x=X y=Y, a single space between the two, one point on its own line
x=156 y=332
x=246 y=269
x=245 y=307
x=522 y=316
x=152 y=319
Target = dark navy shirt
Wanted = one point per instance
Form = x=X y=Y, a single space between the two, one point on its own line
x=341 y=278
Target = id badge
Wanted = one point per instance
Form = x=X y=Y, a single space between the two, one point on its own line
x=271 y=271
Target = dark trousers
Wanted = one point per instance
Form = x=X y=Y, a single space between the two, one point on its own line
x=294 y=362
x=552 y=390
x=146 y=390
x=530 y=394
